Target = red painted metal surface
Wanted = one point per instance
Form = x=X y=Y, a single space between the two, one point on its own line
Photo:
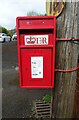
x=36 y=51
x=72 y=70
x=67 y=39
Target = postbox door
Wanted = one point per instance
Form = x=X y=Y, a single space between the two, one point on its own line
x=36 y=67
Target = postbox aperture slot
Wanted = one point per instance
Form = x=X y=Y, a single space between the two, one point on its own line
x=45 y=37
x=36 y=31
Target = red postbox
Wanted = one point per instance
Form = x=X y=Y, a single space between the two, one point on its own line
x=36 y=51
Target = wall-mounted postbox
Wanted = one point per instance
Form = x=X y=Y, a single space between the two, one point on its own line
x=36 y=51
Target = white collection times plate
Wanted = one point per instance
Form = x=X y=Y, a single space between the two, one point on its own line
x=37 y=67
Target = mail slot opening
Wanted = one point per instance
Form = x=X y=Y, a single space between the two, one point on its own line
x=36 y=36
